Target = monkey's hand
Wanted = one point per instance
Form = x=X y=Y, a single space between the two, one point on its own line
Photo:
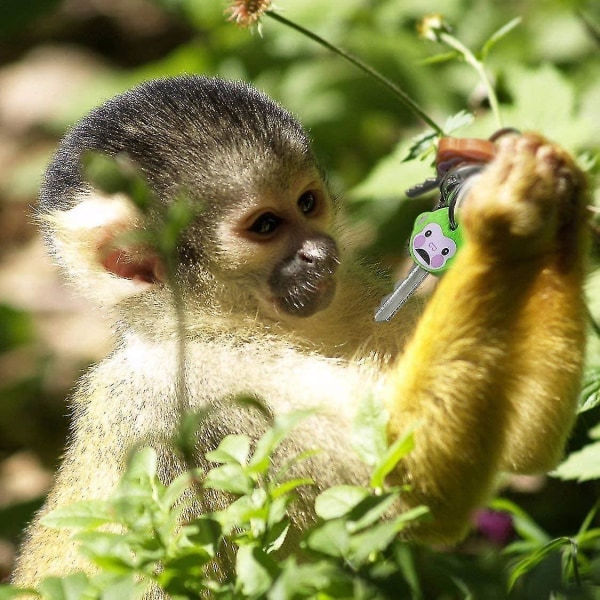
x=493 y=371
x=528 y=202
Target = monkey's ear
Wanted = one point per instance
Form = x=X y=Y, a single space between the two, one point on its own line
x=99 y=244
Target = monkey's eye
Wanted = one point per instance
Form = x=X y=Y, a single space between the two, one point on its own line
x=265 y=224
x=307 y=203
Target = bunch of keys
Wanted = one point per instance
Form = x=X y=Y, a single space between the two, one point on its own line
x=436 y=235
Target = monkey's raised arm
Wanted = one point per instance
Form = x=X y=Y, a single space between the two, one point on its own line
x=493 y=371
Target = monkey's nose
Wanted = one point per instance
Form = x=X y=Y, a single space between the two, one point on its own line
x=318 y=252
x=310 y=256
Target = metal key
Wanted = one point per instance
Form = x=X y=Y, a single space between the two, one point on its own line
x=391 y=304
x=433 y=244
x=435 y=239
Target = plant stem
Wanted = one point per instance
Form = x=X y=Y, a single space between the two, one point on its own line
x=451 y=41
x=399 y=93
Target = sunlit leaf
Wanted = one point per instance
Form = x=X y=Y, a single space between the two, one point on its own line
x=370 y=510
x=583 y=465
x=265 y=446
x=331 y=538
x=232 y=449
x=369 y=430
x=339 y=500
x=590 y=390
x=88 y=514
x=460 y=119
x=254 y=570
x=110 y=551
x=9 y=592
x=393 y=455
x=71 y=587
x=229 y=478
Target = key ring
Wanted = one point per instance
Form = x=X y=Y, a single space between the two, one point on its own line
x=436 y=235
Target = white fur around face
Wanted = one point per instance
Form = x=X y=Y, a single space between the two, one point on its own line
x=82 y=233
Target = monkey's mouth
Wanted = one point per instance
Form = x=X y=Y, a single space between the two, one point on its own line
x=306 y=298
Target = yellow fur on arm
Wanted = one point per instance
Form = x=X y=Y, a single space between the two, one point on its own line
x=548 y=358
x=492 y=374
x=451 y=382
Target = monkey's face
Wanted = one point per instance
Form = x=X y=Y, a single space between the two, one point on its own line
x=278 y=245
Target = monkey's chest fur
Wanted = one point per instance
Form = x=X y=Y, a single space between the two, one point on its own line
x=142 y=406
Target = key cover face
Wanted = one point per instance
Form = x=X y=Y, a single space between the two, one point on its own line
x=433 y=243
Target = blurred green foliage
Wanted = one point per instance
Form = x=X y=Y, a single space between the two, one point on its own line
x=20 y=13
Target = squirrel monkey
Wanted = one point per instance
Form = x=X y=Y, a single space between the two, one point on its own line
x=276 y=306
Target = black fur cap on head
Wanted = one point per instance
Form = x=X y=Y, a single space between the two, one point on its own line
x=204 y=134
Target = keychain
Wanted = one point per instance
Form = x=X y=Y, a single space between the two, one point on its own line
x=436 y=236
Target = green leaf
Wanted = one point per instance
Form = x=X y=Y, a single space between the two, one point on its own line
x=8 y=592
x=185 y=437
x=265 y=446
x=178 y=486
x=71 y=587
x=179 y=215
x=592 y=292
x=370 y=510
x=116 y=174
x=311 y=581
x=369 y=430
x=276 y=536
x=289 y=464
x=425 y=144
x=277 y=510
x=460 y=119
x=339 y=500
x=442 y=57
x=289 y=486
x=244 y=510
x=87 y=514
x=204 y=531
x=498 y=35
x=583 y=529
x=393 y=455
x=232 y=449
x=583 y=465
x=229 y=478
x=590 y=390
x=254 y=570
x=594 y=432
x=422 y=146
x=536 y=558
x=524 y=525
x=189 y=561
x=110 y=551
x=406 y=565
x=367 y=544
x=127 y=586
x=141 y=467
x=331 y=538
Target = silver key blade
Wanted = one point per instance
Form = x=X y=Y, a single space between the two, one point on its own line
x=391 y=304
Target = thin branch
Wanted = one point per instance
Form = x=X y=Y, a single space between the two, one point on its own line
x=398 y=92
